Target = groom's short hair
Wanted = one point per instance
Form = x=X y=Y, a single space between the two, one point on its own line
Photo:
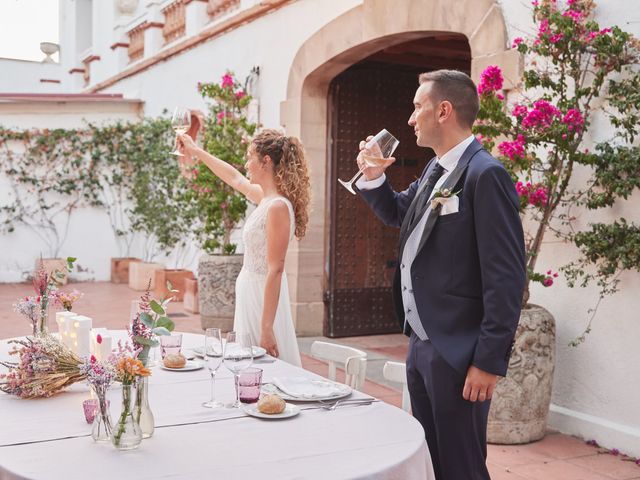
x=457 y=88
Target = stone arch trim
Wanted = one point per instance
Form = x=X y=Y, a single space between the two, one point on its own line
x=349 y=38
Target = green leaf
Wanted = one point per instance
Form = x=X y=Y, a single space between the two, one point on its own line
x=166 y=323
x=146 y=320
x=161 y=331
x=144 y=341
x=157 y=308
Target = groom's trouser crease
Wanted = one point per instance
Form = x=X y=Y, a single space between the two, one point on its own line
x=455 y=428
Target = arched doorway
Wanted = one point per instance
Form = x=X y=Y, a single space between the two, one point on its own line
x=372 y=94
x=372 y=27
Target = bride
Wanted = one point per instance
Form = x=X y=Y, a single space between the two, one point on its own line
x=278 y=182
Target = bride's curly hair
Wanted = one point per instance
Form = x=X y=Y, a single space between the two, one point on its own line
x=291 y=172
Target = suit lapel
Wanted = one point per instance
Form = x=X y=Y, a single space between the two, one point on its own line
x=406 y=222
x=449 y=183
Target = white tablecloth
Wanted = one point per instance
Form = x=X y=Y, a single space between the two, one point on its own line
x=49 y=439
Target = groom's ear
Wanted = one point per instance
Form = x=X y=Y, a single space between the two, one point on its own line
x=445 y=111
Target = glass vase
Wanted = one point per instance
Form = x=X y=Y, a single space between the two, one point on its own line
x=142 y=411
x=101 y=430
x=126 y=433
x=41 y=324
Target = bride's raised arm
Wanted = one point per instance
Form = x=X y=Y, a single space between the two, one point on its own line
x=226 y=172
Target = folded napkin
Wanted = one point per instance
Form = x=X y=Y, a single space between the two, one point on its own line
x=302 y=387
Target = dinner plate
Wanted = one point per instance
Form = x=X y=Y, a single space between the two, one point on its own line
x=257 y=352
x=189 y=366
x=271 y=388
x=289 y=411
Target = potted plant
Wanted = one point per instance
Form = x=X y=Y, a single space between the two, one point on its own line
x=219 y=207
x=572 y=68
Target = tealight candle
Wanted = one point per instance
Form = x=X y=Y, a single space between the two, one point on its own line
x=62 y=319
x=79 y=334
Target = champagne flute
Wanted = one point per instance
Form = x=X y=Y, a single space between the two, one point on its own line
x=376 y=154
x=213 y=360
x=238 y=355
x=180 y=122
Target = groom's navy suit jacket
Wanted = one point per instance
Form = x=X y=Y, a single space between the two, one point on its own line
x=469 y=272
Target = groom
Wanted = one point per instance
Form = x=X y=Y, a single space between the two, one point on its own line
x=458 y=287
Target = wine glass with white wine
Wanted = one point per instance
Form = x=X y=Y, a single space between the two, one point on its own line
x=375 y=154
x=180 y=122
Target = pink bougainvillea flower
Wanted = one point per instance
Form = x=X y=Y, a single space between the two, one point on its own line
x=227 y=80
x=490 y=80
x=517 y=41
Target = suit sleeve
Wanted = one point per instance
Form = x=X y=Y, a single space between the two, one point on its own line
x=500 y=242
x=391 y=206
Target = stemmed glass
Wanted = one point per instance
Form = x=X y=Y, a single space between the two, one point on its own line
x=376 y=154
x=180 y=122
x=213 y=360
x=238 y=355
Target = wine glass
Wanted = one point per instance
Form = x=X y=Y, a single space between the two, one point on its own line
x=376 y=154
x=238 y=355
x=180 y=122
x=213 y=360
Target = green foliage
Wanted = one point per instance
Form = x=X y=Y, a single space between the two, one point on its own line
x=574 y=68
x=123 y=168
x=227 y=134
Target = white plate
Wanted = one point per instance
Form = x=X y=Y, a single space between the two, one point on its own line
x=271 y=388
x=190 y=366
x=257 y=352
x=289 y=411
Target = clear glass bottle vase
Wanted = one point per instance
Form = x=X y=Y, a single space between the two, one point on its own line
x=142 y=411
x=101 y=429
x=126 y=433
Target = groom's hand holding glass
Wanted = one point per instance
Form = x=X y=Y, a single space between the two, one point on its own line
x=369 y=155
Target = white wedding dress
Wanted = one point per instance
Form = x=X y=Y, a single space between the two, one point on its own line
x=251 y=281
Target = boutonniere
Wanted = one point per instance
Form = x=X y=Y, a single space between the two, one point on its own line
x=442 y=196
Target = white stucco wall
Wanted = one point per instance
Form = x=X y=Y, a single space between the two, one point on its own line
x=596 y=392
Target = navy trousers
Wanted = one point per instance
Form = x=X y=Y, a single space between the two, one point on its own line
x=455 y=429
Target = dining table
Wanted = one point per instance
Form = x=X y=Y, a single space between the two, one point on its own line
x=49 y=438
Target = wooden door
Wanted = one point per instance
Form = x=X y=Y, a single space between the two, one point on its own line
x=363 y=252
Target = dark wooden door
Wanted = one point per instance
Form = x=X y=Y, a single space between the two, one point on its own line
x=363 y=252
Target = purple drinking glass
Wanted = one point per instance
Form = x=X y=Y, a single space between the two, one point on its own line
x=249 y=383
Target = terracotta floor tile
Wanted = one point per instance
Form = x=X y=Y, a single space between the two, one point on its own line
x=561 y=447
x=513 y=455
x=499 y=472
x=609 y=465
x=557 y=470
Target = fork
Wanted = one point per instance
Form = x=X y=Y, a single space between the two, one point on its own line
x=332 y=406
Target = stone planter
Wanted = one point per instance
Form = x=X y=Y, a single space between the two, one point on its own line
x=51 y=264
x=191 y=300
x=520 y=403
x=120 y=269
x=177 y=279
x=140 y=273
x=217 y=281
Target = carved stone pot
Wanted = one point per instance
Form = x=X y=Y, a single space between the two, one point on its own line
x=217 y=276
x=520 y=403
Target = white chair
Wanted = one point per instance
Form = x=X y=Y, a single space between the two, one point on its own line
x=397 y=372
x=354 y=361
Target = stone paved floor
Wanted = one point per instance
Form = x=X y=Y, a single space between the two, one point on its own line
x=556 y=457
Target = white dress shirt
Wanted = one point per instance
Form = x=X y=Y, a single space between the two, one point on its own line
x=449 y=161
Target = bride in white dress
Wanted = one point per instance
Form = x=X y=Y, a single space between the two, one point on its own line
x=279 y=184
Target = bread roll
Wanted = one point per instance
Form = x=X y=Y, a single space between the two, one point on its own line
x=175 y=361
x=271 y=404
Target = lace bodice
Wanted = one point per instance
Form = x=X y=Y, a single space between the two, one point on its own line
x=254 y=235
